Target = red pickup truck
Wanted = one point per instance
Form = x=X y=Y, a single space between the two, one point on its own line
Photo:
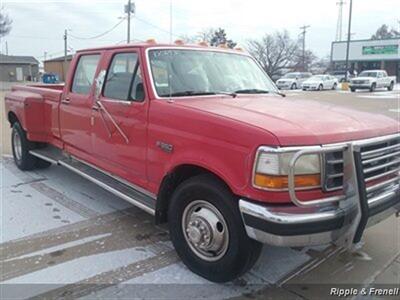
x=201 y=138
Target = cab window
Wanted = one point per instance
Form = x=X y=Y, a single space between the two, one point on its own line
x=124 y=79
x=84 y=74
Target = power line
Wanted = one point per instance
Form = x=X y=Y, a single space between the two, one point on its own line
x=99 y=35
x=155 y=26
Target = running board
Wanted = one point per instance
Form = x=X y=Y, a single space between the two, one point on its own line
x=108 y=182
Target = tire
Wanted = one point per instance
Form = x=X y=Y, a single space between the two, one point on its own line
x=372 y=88
x=334 y=86
x=206 y=195
x=42 y=164
x=320 y=87
x=294 y=86
x=21 y=147
x=391 y=86
x=352 y=90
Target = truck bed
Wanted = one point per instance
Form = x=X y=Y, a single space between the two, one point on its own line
x=36 y=108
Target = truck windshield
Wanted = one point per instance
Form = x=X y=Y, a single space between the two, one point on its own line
x=291 y=75
x=181 y=72
x=368 y=74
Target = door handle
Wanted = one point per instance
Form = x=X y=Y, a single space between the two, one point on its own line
x=65 y=101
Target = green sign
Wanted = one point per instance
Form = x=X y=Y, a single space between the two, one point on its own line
x=384 y=49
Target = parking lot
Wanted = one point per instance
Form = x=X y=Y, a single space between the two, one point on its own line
x=62 y=236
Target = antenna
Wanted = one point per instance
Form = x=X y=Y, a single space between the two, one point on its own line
x=339 y=26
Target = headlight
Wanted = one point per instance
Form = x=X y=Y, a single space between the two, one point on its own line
x=271 y=169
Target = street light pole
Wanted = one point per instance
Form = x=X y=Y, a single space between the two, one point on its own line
x=348 y=40
x=304 y=31
x=128 y=11
x=65 y=54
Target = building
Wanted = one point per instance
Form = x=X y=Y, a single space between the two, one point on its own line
x=368 y=55
x=18 y=68
x=58 y=66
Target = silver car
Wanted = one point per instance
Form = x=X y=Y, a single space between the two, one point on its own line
x=292 y=81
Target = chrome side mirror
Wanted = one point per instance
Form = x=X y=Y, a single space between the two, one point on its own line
x=99 y=82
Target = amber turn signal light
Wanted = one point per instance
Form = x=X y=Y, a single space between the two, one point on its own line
x=281 y=182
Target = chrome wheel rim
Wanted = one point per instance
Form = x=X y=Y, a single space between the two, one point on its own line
x=17 y=145
x=205 y=230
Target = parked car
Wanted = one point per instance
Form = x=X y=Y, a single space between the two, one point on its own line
x=372 y=80
x=50 y=78
x=319 y=83
x=201 y=138
x=341 y=75
x=292 y=81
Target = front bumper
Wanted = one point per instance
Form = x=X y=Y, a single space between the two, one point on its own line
x=339 y=219
x=360 y=86
x=284 y=86
x=294 y=226
x=310 y=87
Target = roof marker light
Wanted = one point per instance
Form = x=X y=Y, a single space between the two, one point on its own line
x=151 y=41
x=179 y=42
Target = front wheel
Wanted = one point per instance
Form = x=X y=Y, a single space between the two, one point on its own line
x=207 y=230
x=373 y=87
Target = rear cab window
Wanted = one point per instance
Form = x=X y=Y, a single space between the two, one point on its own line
x=84 y=73
x=124 y=78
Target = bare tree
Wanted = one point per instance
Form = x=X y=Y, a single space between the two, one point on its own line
x=214 y=37
x=5 y=24
x=309 y=60
x=384 y=32
x=219 y=38
x=275 y=52
x=202 y=36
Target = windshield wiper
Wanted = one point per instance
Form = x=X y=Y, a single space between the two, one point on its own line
x=258 y=91
x=197 y=93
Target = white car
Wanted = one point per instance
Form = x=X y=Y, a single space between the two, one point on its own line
x=372 y=79
x=292 y=81
x=320 y=82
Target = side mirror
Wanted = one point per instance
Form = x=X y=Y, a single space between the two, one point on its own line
x=99 y=82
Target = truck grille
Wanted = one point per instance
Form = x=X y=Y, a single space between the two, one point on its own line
x=333 y=171
x=380 y=165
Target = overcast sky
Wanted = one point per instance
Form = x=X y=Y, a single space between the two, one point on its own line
x=38 y=26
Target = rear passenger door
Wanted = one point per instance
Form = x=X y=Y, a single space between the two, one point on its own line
x=120 y=118
x=76 y=106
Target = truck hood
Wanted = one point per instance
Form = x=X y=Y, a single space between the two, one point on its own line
x=296 y=121
x=286 y=80
x=363 y=78
x=313 y=82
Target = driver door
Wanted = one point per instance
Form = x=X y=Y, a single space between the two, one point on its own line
x=120 y=117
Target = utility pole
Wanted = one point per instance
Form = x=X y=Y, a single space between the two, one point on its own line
x=339 y=26
x=348 y=40
x=304 y=31
x=65 y=53
x=6 y=48
x=170 y=21
x=129 y=10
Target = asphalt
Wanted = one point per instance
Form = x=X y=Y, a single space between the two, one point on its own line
x=63 y=237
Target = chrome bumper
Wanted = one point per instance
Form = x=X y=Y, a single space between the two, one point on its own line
x=338 y=219
x=294 y=226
